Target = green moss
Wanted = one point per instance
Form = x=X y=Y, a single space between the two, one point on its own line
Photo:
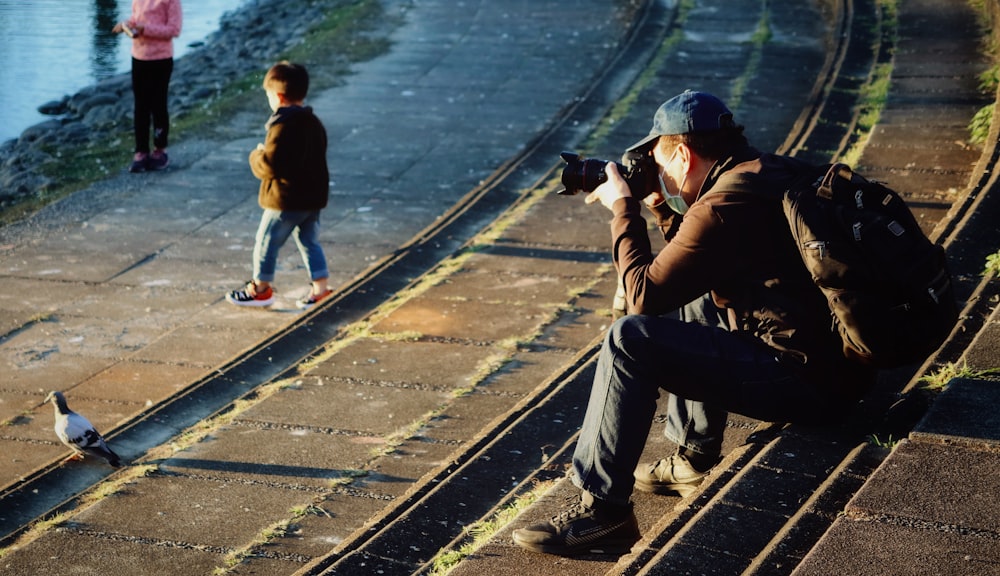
x=761 y=36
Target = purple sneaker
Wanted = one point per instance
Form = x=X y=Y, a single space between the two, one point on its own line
x=158 y=160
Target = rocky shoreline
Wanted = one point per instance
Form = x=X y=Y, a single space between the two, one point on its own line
x=249 y=39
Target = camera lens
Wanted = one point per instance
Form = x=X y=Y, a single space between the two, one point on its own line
x=582 y=175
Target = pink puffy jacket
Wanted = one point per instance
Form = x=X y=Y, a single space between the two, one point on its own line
x=161 y=23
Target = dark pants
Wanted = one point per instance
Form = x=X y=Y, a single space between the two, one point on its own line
x=694 y=425
x=150 y=80
x=706 y=365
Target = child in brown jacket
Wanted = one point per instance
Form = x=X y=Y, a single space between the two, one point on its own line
x=294 y=188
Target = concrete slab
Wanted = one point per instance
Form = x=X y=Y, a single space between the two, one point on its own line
x=776 y=491
x=320 y=529
x=87 y=554
x=177 y=508
x=818 y=513
x=506 y=255
x=527 y=370
x=261 y=564
x=875 y=548
x=509 y=287
x=376 y=410
x=957 y=163
x=686 y=558
x=441 y=366
x=11 y=320
x=980 y=354
x=162 y=307
x=36 y=297
x=467 y=416
x=222 y=313
x=803 y=450
x=293 y=457
x=20 y=459
x=110 y=338
x=70 y=263
x=964 y=415
x=200 y=346
x=203 y=276
x=914 y=109
x=929 y=135
x=33 y=424
x=92 y=240
x=579 y=327
x=563 y=221
x=225 y=247
x=468 y=321
x=33 y=367
x=722 y=528
x=393 y=475
x=933 y=484
x=164 y=227
x=142 y=383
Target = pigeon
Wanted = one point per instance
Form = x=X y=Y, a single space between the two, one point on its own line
x=78 y=433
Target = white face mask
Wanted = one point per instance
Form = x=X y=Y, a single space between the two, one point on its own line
x=674 y=202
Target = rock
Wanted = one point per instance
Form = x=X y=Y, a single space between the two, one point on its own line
x=109 y=115
x=24 y=159
x=83 y=107
x=22 y=184
x=203 y=93
x=32 y=133
x=54 y=107
x=76 y=133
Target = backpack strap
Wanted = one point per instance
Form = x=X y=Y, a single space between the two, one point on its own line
x=838 y=170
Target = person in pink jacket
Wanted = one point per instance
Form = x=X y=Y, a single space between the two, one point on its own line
x=152 y=26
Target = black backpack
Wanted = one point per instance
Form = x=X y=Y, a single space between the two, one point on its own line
x=887 y=284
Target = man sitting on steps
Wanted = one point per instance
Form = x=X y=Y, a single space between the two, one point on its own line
x=775 y=357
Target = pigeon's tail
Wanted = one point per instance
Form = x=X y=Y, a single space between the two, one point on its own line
x=104 y=452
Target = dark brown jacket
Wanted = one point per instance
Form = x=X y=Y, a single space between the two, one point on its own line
x=292 y=165
x=736 y=245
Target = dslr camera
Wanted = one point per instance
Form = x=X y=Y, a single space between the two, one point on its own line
x=584 y=174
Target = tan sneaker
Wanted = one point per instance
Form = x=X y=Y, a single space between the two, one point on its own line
x=673 y=475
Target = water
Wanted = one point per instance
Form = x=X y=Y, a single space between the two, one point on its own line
x=52 y=48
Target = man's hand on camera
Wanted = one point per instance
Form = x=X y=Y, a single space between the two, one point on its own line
x=654 y=199
x=610 y=191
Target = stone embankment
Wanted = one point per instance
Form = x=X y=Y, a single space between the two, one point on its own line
x=248 y=40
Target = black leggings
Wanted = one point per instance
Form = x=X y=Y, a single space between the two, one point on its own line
x=150 y=79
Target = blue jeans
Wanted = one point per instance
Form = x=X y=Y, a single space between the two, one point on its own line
x=275 y=228
x=690 y=423
x=708 y=369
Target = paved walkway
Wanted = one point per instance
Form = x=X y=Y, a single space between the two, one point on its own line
x=115 y=295
x=121 y=329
